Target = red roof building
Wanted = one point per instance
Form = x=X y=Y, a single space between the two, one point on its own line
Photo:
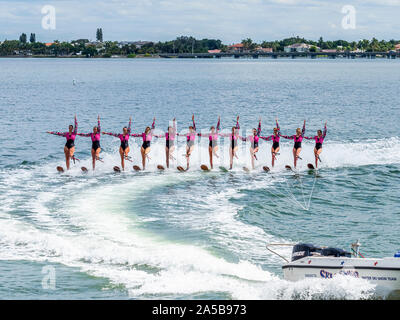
x=214 y=51
x=238 y=47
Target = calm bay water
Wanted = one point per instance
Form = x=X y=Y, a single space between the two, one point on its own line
x=193 y=235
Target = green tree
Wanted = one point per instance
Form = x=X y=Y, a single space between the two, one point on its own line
x=22 y=38
x=99 y=34
x=32 y=38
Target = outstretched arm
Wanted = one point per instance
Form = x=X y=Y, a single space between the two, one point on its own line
x=136 y=135
x=83 y=134
x=57 y=133
x=266 y=138
x=286 y=137
x=112 y=134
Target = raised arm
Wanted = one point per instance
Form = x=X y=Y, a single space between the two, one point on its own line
x=129 y=126
x=303 y=131
x=218 y=124
x=325 y=131
x=75 y=125
x=194 y=124
x=237 y=123
x=98 y=124
x=259 y=128
x=277 y=124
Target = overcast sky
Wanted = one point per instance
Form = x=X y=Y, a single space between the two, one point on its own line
x=228 y=20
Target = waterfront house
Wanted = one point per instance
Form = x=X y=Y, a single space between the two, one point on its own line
x=238 y=47
x=48 y=44
x=329 y=50
x=298 y=47
x=266 y=50
x=214 y=51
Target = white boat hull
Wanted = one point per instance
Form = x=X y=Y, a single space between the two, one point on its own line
x=384 y=273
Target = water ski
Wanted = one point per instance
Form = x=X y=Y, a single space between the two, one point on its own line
x=117 y=169
x=310 y=166
x=60 y=169
x=136 y=168
x=84 y=169
x=180 y=169
x=246 y=169
x=160 y=167
x=204 y=167
x=223 y=169
x=266 y=169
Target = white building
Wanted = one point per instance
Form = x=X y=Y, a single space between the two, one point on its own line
x=298 y=47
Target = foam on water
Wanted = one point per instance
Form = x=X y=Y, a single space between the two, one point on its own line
x=88 y=221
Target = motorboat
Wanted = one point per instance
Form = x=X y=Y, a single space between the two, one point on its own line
x=309 y=261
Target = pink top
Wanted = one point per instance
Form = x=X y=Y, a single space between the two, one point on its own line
x=318 y=140
x=145 y=137
x=230 y=135
x=212 y=136
x=67 y=135
x=122 y=137
x=94 y=137
x=273 y=137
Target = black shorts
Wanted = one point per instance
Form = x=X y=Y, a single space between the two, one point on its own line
x=275 y=145
x=318 y=146
x=190 y=143
x=254 y=145
x=124 y=145
x=169 y=143
x=212 y=143
x=95 y=145
x=146 y=144
x=233 y=144
x=297 y=145
x=70 y=144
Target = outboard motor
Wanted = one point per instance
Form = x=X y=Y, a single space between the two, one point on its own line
x=397 y=254
x=302 y=250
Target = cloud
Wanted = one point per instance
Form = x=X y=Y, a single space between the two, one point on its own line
x=228 y=20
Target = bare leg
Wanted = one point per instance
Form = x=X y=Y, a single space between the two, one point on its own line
x=66 y=152
x=215 y=149
x=167 y=156
x=230 y=158
x=318 y=152
x=188 y=153
x=294 y=157
x=142 y=152
x=122 y=154
x=93 y=159
x=297 y=156
x=252 y=157
x=210 y=151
